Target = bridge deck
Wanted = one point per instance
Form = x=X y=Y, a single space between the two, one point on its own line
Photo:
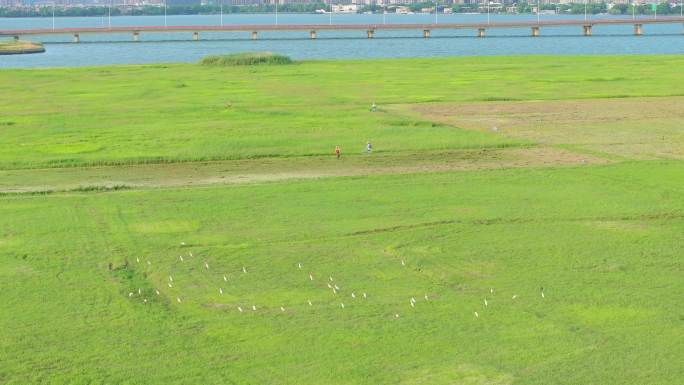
x=342 y=27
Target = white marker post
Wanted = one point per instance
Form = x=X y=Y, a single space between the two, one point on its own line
x=435 y=12
x=538 y=11
x=488 y=17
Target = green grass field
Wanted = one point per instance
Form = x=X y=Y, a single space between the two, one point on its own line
x=108 y=176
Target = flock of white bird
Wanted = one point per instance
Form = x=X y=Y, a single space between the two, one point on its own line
x=332 y=285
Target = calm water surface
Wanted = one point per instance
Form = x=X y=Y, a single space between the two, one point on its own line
x=102 y=49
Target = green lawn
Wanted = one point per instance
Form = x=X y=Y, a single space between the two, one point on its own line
x=450 y=215
x=604 y=242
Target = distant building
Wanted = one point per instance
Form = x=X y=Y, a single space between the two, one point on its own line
x=182 y=2
x=344 y=8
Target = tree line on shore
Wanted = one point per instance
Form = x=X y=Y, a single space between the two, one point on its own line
x=664 y=8
x=149 y=10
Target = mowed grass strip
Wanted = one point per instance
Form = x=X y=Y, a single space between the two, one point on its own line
x=602 y=241
x=623 y=128
x=186 y=112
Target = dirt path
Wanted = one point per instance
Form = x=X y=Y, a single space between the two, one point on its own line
x=281 y=169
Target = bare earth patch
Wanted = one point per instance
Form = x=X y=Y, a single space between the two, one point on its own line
x=632 y=128
x=280 y=169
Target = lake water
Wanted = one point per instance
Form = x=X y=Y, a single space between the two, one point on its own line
x=102 y=49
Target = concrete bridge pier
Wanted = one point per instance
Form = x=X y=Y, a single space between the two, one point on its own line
x=77 y=38
x=313 y=35
x=370 y=33
x=637 y=30
x=480 y=32
x=587 y=30
x=254 y=35
x=195 y=36
x=535 y=31
x=426 y=33
x=136 y=36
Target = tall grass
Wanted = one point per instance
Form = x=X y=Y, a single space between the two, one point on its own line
x=246 y=59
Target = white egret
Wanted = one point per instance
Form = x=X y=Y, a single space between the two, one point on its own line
x=477 y=315
x=310 y=304
x=514 y=296
x=178 y=299
x=485 y=302
x=300 y=265
x=206 y=265
x=221 y=290
x=225 y=279
x=310 y=277
x=244 y=269
x=353 y=295
x=254 y=307
x=130 y=294
x=341 y=304
x=365 y=296
x=240 y=309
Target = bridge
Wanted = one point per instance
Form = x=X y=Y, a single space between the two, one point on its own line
x=369 y=29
